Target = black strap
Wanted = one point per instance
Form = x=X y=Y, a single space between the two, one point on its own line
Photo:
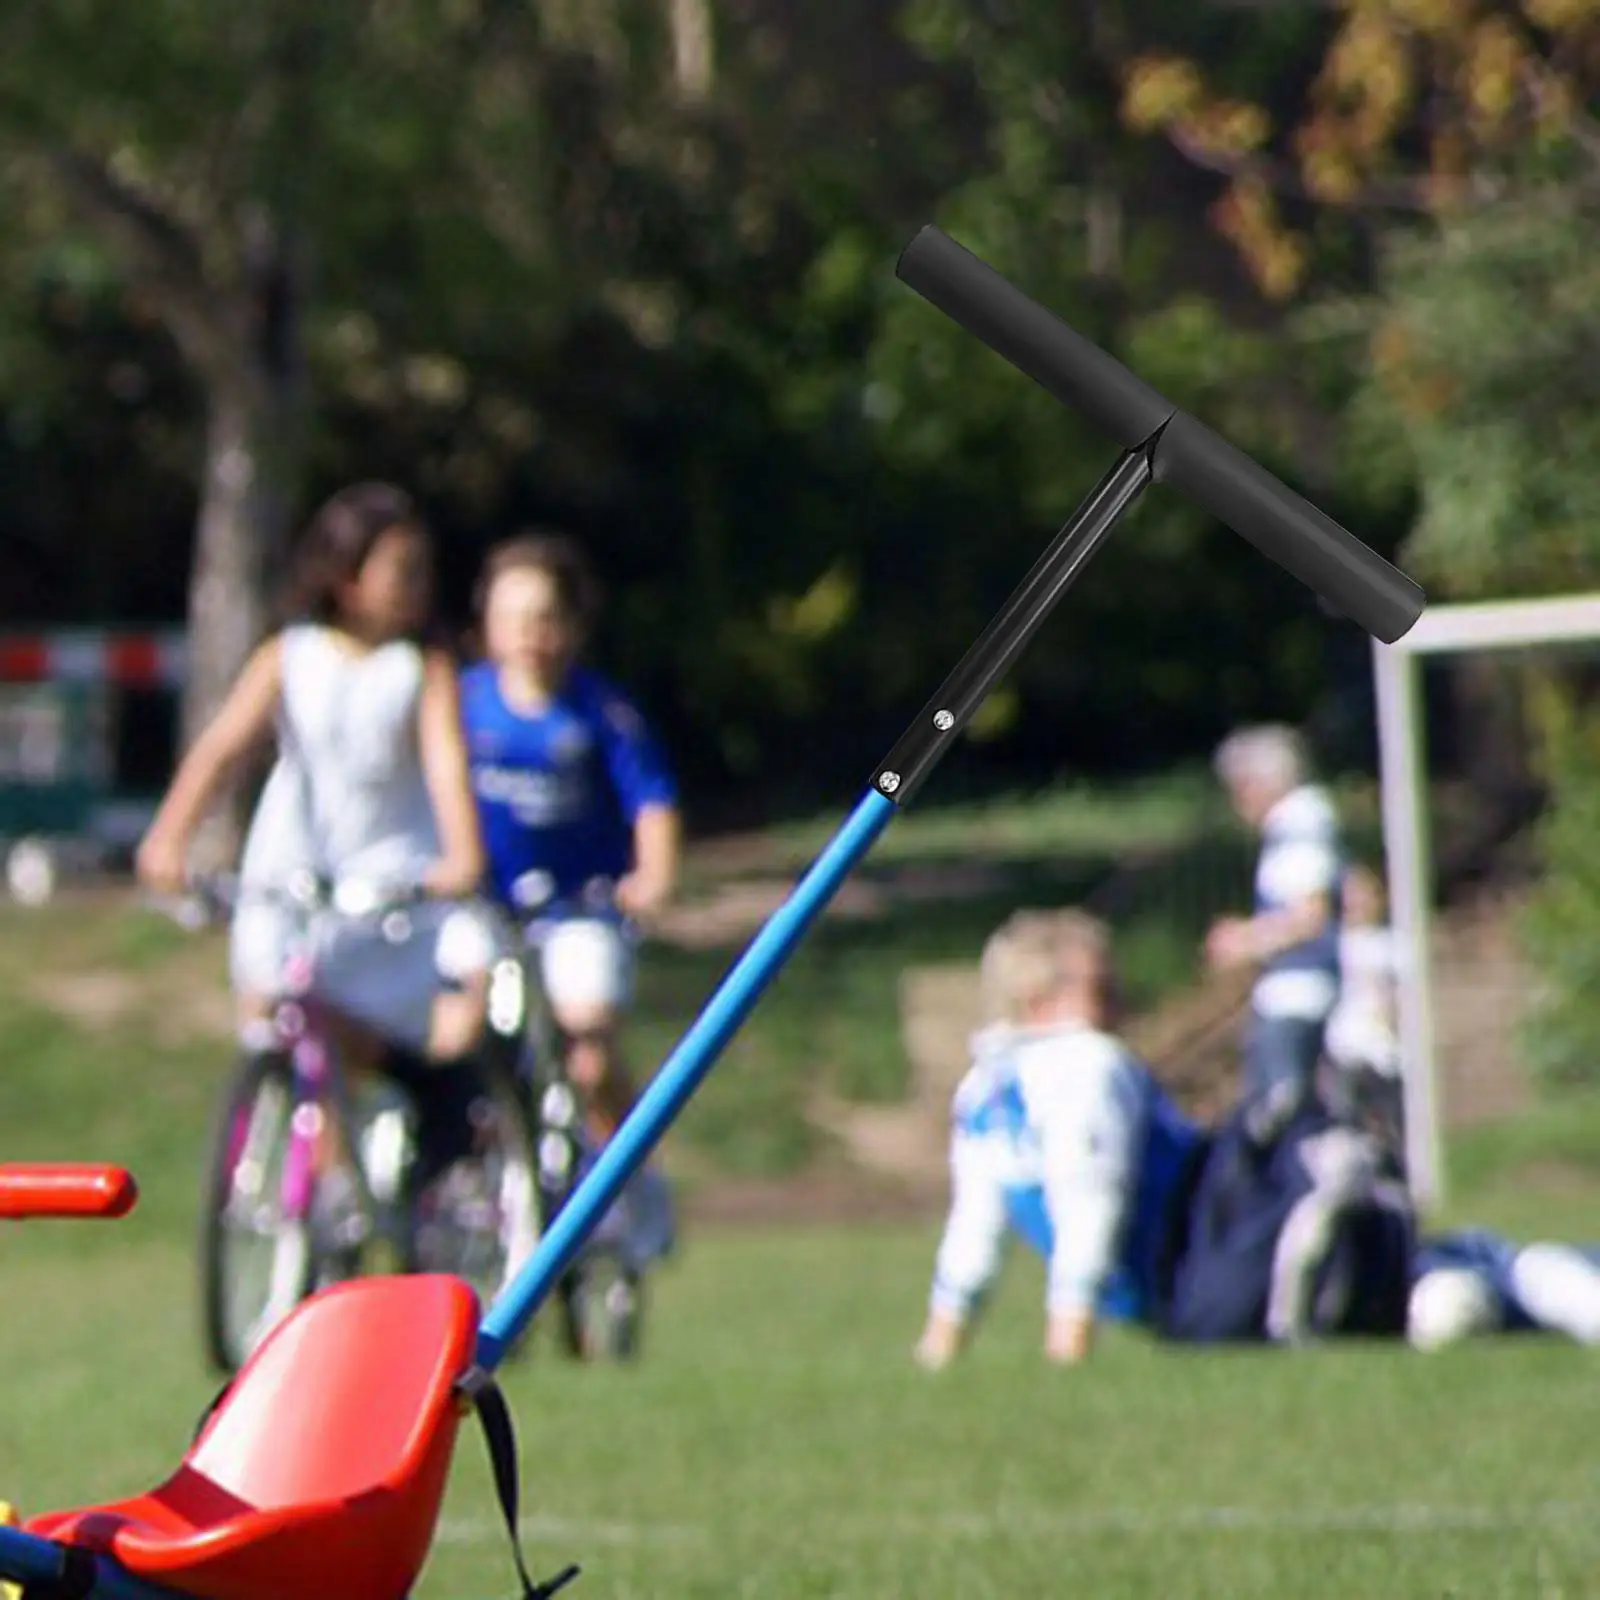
x=500 y=1436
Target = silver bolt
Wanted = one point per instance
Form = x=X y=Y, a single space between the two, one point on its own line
x=943 y=721
x=889 y=782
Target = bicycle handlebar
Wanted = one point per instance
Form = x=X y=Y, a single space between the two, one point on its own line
x=65 y=1189
x=535 y=930
x=535 y=909
x=1304 y=541
x=219 y=893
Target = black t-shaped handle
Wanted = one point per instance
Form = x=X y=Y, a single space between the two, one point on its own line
x=1329 y=559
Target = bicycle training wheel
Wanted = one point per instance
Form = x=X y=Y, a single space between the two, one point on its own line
x=256 y=1261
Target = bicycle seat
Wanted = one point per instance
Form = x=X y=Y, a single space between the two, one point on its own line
x=320 y=1473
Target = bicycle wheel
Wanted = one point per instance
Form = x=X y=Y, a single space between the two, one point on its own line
x=560 y=1165
x=525 y=1047
x=256 y=1262
x=347 y=1219
x=481 y=1217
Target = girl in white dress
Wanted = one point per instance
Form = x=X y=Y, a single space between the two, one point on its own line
x=371 y=786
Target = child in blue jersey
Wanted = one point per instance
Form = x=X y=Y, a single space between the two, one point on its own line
x=1063 y=1137
x=1473 y=1281
x=577 y=805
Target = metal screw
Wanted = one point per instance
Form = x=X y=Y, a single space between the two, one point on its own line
x=889 y=782
x=943 y=721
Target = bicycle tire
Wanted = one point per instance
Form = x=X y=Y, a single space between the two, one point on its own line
x=569 y=1287
x=574 y=1290
x=254 y=1074
x=526 y=1052
x=428 y=1246
x=523 y=1043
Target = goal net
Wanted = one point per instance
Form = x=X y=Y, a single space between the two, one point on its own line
x=1456 y=840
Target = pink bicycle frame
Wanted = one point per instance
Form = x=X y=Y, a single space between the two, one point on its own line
x=302 y=1029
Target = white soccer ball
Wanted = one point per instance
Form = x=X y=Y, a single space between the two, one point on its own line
x=1449 y=1305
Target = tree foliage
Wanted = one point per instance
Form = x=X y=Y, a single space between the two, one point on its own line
x=1560 y=1032
x=627 y=267
x=1416 y=107
x=1485 y=371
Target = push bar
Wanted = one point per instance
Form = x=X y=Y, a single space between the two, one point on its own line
x=1237 y=490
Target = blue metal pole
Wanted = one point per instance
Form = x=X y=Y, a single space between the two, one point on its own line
x=26 y=1558
x=678 y=1078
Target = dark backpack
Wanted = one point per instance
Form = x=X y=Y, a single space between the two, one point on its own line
x=1303 y=1235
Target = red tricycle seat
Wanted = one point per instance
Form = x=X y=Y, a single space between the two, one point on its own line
x=319 y=1475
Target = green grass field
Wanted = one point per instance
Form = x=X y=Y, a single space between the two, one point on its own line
x=776 y=1441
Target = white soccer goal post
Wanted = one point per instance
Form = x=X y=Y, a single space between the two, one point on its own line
x=1402 y=758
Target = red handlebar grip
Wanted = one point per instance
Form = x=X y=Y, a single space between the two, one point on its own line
x=66 y=1189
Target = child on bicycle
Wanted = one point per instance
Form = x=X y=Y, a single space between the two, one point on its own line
x=371 y=784
x=579 y=809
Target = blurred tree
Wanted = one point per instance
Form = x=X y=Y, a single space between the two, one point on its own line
x=315 y=198
x=1482 y=389
x=614 y=266
x=1415 y=107
x=1457 y=137
x=96 y=420
x=1484 y=384
x=538 y=259
x=1559 y=925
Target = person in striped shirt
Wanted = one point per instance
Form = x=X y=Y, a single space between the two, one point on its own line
x=1292 y=937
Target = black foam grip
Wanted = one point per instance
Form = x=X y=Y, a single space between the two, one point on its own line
x=1035 y=341
x=1304 y=541
x=1329 y=559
